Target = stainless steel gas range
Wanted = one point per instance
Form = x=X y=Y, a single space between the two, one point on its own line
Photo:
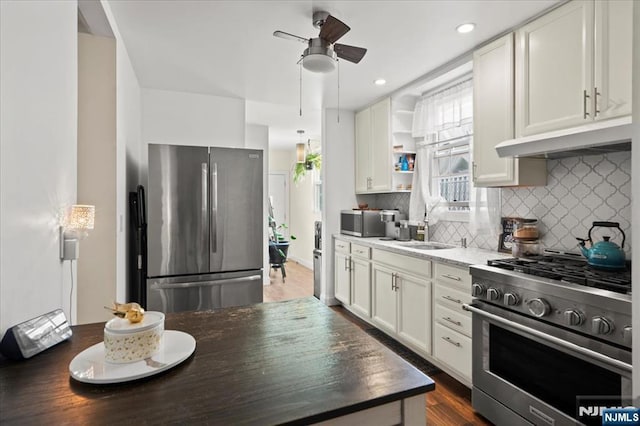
x=551 y=340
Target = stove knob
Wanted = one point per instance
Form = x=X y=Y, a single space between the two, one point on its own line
x=511 y=299
x=538 y=307
x=601 y=325
x=477 y=290
x=626 y=335
x=573 y=317
x=493 y=294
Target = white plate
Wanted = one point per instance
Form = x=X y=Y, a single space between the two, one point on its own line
x=89 y=365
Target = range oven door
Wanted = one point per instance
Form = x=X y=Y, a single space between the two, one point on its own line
x=528 y=371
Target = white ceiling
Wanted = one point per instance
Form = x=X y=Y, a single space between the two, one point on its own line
x=226 y=48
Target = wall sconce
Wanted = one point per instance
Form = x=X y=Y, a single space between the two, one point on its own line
x=79 y=220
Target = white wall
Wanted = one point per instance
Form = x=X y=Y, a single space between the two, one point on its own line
x=302 y=218
x=338 y=186
x=38 y=121
x=257 y=137
x=180 y=118
x=97 y=155
x=635 y=200
x=128 y=151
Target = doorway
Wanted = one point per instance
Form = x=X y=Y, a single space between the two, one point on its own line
x=279 y=198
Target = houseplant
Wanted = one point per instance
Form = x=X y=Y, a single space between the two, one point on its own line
x=311 y=161
x=278 y=245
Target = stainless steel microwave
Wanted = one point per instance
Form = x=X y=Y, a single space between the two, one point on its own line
x=362 y=223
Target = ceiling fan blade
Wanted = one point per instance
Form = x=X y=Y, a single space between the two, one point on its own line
x=349 y=53
x=333 y=29
x=288 y=36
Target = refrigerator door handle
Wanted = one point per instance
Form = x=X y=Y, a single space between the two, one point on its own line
x=195 y=284
x=205 y=199
x=213 y=228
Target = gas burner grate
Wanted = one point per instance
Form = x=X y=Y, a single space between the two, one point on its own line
x=568 y=270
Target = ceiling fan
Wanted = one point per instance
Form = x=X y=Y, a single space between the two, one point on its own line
x=322 y=51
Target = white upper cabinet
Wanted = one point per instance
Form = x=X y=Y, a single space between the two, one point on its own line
x=613 y=56
x=554 y=69
x=493 y=120
x=573 y=66
x=363 y=150
x=373 y=148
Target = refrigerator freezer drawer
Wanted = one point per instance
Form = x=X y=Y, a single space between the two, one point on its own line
x=203 y=293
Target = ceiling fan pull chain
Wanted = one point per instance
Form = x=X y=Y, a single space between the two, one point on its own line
x=300 y=87
x=338 y=90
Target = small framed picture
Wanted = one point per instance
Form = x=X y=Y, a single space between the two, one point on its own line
x=505 y=241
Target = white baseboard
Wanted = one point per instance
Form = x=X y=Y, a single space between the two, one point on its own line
x=305 y=263
x=329 y=301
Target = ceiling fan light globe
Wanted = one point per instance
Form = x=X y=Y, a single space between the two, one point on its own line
x=319 y=63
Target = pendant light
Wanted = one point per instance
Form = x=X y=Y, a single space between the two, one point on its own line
x=300 y=148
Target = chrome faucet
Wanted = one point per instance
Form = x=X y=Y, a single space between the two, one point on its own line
x=463 y=242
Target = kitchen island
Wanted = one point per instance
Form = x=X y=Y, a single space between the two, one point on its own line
x=294 y=362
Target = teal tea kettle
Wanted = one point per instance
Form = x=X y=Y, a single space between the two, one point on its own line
x=604 y=254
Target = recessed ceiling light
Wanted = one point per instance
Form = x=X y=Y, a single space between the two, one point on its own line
x=380 y=82
x=465 y=28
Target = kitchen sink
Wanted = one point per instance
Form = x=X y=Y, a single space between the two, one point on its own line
x=425 y=246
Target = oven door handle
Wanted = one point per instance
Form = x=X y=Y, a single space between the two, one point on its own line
x=552 y=339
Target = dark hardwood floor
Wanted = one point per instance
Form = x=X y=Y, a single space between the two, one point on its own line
x=448 y=405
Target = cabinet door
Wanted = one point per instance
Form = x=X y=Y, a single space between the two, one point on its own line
x=381 y=146
x=554 y=70
x=363 y=150
x=493 y=97
x=361 y=286
x=613 y=54
x=342 y=279
x=414 y=322
x=384 y=310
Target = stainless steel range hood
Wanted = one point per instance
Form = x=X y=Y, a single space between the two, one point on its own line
x=594 y=138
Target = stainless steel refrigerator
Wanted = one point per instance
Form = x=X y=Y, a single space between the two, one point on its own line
x=204 y=227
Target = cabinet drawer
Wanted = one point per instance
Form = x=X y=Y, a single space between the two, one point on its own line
x=408 y=264
x=361 y=251
x=453 y=275
x=342 y=246
x=453 y=349
x=456 y=320
x=452 y=298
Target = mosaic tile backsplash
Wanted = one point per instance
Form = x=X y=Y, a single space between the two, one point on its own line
x=579 y=191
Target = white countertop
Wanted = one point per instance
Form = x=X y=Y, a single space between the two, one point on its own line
x=455 y=255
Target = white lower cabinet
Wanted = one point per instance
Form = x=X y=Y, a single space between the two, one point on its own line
x=396 y=293
x=361 y=286
x=385 y=306
x=414 y=312
x=342 y=266
x=451 y=324
x=402 y=305
x=453 y=349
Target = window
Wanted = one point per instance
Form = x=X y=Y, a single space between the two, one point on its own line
x=445 y=122
x=317 y=191
x=450 y=173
